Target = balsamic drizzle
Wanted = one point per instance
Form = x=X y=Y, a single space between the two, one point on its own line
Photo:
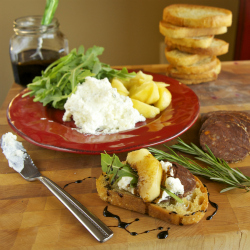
x=163 y=234
x=78 y=181
x=124 y=225
x=213 y=204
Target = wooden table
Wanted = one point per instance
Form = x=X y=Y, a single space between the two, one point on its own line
x=32 y=218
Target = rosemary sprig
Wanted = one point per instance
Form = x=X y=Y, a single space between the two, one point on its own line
x=217 y=169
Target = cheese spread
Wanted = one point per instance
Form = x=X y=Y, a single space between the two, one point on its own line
x=172 y=184
x=124 y=183
x=167 y=166
x=97 y=108
x=14 y=151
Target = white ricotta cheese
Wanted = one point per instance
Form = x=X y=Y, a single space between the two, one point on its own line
x=174 y=185
x=124 y=183
x=97 y=108
x=167 y=166
x=14 y=151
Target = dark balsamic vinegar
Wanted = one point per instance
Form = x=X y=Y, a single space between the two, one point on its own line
x=78 y=181
x=27 y=68
x=213 y=204
x=163 y=234
x=124 y=225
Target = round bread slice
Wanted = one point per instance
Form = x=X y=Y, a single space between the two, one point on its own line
x=176 y=57
x=226 y=137
x=199 y=67
x=197 y=81
x=193 y=42
x=214 y=70
x=191 y=211
x=217 y=47
x=170 y=30
x=197 y=16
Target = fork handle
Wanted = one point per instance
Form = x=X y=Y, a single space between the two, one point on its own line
x=94 y=225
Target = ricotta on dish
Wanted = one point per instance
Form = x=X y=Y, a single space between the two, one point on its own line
x=97 y=108
x=14 y=151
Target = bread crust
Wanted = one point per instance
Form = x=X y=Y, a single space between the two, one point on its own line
x=188 y=15
x=216 y=48
x=211 y=73
x=193 y=42
x=199 y=67
x=128 y=201
x=179 y=58
x=197 y=81
x=167 y=29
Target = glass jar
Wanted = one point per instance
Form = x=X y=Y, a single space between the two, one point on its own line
x=33 y=47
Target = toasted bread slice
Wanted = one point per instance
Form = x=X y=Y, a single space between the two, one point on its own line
x=217 y=47
x=196 y=42
x=211 y=73
x=193 y=42
x=170 y=30
x=180 y=58
x=199 y=67
x=197 y=16
x=190 y=212
x=197 y=81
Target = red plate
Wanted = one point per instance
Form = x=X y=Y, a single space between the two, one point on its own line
x=43 y=126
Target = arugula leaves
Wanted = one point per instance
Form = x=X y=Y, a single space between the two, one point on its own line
x=60 y=79
x=113 y=167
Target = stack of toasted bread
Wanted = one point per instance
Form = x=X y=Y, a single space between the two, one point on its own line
x=191 y=48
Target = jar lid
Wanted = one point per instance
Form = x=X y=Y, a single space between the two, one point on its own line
x=32 y=25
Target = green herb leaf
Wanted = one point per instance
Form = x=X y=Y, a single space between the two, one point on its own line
x=60 y=79
x=178 y=199
x=217 y=169
x=114 y=168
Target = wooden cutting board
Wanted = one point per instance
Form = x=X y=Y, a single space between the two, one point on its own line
x=32 y=218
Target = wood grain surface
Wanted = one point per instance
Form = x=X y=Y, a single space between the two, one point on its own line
x=32 y=218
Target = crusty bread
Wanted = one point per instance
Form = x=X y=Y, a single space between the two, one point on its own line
x=170 y=30
x=201 y=66
x=196 y=42
x=217 y=47
x=197 y=16
x=212 y=72
x=197 y=81
x=180 y=58
x=191 y=211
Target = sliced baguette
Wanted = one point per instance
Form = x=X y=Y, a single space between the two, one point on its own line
x=170 y=30
x=217 y=47
x=203 y=65
x=188 y=15
x=212 y=73
x=197 y=81
x=180 y=58
x=187 y=213
x=193 y=42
